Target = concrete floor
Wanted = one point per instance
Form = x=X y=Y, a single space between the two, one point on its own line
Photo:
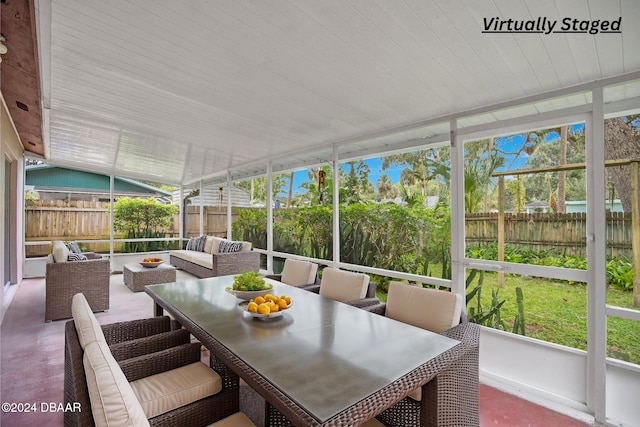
x=32 y=362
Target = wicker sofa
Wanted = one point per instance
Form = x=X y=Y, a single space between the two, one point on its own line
x=66 y=278
x=210 y=262
x=142 y=373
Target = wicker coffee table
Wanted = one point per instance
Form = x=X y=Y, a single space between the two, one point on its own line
x=137 y=276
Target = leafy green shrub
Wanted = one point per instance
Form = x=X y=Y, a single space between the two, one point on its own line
x=140 y=219
x=619 y=270
x=620 y=273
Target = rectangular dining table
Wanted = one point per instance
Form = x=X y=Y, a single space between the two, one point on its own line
x=321 y=363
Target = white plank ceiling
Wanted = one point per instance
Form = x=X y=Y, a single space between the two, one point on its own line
x=178 y=90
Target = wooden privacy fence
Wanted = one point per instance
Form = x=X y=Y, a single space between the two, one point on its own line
x=565 y=233
x=82 y=220
x=47 y=220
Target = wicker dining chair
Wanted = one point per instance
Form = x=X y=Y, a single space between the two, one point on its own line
x=297 y=273
x=455 y=391
x=352 y=288
x=142 y=348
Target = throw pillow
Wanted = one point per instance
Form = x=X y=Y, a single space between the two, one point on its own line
x=196 y=243
x=76 y=257
x=202 y=241
x=227 y=246
x=73 y=247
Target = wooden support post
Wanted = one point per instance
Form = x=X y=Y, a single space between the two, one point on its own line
x=635 y=226
x=501 y=228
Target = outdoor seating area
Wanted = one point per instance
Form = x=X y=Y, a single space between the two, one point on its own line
x=24 y=379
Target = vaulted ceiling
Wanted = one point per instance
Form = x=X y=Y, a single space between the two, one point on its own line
x=174 y=91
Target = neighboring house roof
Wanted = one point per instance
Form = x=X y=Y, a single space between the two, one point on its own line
x=53 y=179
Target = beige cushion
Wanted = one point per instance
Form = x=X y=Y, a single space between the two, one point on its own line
x=428 y=309
x=246 y=246
x=169 y=390
x=343 y=285
x=87 y=325
x=113 y=402
x=59 y=251
x=201 y=258
x=298 y=273
x=215 y=244
x=208 y=244
x=236 y=420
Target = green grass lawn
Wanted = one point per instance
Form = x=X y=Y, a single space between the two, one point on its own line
x=557 y=312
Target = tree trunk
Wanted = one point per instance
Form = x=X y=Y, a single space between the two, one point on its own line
x=562 y=175
x=620 y=143
x=289 y=197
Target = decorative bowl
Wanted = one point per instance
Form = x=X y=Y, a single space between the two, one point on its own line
x=268 y=316
x=151 y=262
x=248 y=295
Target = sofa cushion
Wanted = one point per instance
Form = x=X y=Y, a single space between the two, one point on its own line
x=169 y=390
x=59 y=251
x=215 y=244
x=343 y=285
x=236 y=420
x=208 y=244
x=298 y=272
x=429 y=309
x=200 y=258
x=113 y=402
x=87 y=325
x=246 y=246
x=227 y=246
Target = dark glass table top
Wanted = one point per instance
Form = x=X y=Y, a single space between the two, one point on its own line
x=324 y=355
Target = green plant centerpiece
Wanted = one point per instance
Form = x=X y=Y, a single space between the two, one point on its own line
x=250 y=281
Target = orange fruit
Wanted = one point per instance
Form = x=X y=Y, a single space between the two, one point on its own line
x=268 y=297
x=286 y=298
x=264 y=308
x=273 y=306
x=259 y=300
x=282 y=304
x=252 y=307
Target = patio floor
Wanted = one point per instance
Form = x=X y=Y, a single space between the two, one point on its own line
x=32 y=363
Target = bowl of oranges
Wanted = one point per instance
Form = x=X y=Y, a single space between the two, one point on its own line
x=268 y=306
x=151 y=262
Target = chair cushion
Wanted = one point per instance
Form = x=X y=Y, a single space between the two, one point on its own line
x=59 y=251
x=298 y=272
x=428 y=309
x=236 y=420
x=87 y=325
x=343 y=285
x=169 y=390
x=113 y=402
